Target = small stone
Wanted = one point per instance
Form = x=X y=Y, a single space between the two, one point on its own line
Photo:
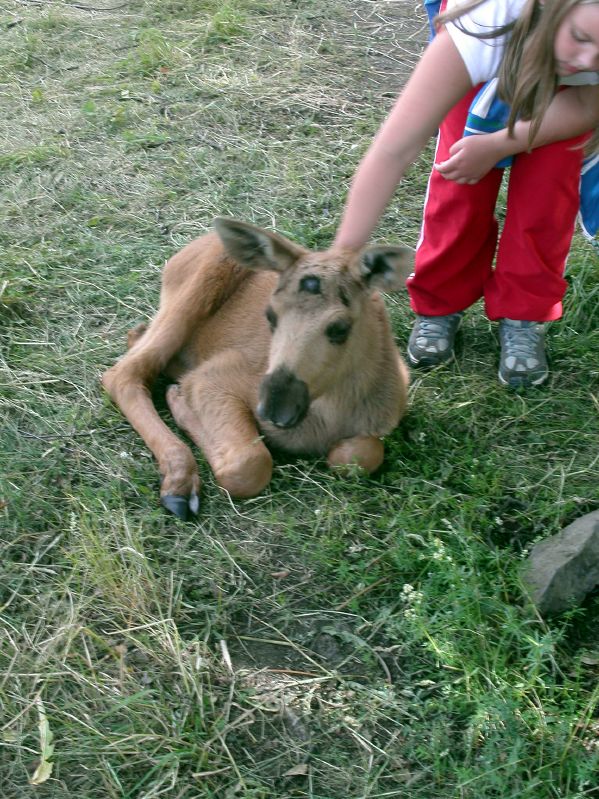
x=563 y=569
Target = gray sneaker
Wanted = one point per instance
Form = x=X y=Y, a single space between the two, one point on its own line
x=522 y=362
x=432 y=339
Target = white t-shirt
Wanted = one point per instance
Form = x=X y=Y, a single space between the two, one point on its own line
x=482 y=57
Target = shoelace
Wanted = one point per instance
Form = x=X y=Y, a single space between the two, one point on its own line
x=430 y=328
x=521 y=342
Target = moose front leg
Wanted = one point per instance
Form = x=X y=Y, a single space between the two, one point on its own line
x=367 y=452
x=213 y=406
x=180 y=483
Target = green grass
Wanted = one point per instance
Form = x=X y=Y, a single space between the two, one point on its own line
x=334 y=637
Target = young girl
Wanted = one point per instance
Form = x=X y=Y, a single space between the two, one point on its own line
x=534 y=48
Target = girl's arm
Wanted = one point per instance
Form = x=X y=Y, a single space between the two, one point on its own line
x=573 y=111
x=439 y=80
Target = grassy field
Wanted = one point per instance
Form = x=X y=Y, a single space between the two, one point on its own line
x=334 y=637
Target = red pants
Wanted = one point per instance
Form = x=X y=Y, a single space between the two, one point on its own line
x=454 y=258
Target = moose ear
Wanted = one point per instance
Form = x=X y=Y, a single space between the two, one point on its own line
x=386 y=268
x=256 y=248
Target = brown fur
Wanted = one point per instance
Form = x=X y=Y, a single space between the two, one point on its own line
x=211 y=336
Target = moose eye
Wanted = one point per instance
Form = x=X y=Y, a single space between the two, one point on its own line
x=311 y=284
x=337 y=332
x=271 y=318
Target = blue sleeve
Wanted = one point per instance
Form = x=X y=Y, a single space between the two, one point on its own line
x=488 y=114
x=432 y=9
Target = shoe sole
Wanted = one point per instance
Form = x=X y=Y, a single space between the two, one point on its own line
x=425 y=363
x=522 y=383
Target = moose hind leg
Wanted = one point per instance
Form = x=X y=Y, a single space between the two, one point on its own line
x=134 y=335
x=366 y=452
x=213 y=408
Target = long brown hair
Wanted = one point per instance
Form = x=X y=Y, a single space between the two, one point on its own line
x=527 y=75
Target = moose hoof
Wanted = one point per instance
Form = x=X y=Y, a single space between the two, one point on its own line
x=180 y=506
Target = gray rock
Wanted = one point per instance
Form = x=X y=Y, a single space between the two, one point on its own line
x=562 y=569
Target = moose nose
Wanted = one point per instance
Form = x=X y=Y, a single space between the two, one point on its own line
x=284 y=399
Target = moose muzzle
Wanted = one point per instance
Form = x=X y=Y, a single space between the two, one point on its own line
x=284 y=400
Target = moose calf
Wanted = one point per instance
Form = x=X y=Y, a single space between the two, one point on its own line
x=269 y=344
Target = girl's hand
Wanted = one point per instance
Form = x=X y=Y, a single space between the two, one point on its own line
x=471 y=158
